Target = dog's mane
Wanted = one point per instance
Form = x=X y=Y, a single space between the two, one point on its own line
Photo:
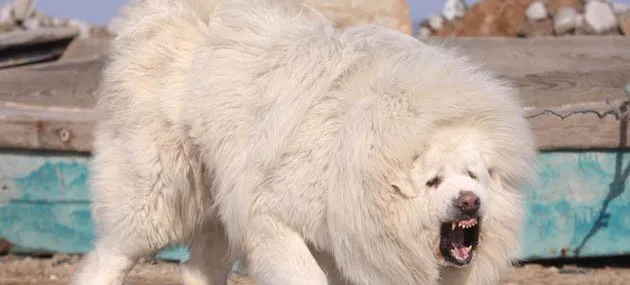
x=416 y=90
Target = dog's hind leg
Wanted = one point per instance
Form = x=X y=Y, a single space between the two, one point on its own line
x=135 y=214
x=209 y=263
x=104 y=266
x=124 y=236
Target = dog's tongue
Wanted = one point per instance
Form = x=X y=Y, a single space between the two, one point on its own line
x=461 y=252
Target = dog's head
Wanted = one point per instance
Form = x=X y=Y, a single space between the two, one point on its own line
x=451 y=183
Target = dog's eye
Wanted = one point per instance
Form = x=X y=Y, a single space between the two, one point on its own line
x=472 y=175
x=434 y=182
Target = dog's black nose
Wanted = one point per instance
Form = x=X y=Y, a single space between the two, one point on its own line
x=468 y=202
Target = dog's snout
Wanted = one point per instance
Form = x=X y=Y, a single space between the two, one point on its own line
x=468 y=202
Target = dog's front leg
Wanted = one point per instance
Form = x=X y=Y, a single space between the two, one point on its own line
x=278 y=255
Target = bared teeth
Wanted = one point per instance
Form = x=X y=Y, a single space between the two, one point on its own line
x=461 y=253
x=467 y=223
x=464 y=224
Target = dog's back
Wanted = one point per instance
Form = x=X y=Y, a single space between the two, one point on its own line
x=160 y=139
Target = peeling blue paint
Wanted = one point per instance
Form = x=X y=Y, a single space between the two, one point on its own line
x=582 y=206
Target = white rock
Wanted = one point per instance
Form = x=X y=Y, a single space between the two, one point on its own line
x=454 y=9
x=536 y=11
x=565 y=20
x=58 y=22
x=6 y=14
x=44 y=20
x=82 y=26
x=423 y=32
x=32 y=23
x=600 y=17
x=436 y=22
x=47 y=22
x=580 y=21
x=23 y=9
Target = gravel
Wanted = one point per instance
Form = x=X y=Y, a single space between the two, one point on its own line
x=17 y=270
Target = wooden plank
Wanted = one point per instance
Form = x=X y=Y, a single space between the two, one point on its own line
x=33 y=46
x=554 y=71
x=550 y=73
x=521 y=56
x=21 y=38
x=86 y=47
x=595 y=126
x=49 y=128
x=559 y=88
x=70 y=83
x=31 y=57
x=599 y=125
x=582 y=203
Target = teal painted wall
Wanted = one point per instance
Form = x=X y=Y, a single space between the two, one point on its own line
x=581 y=208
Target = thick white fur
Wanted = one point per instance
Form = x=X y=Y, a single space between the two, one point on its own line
x=254 y=128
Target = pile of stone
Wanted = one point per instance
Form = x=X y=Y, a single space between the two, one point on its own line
x=527 y=18
x=21 y=15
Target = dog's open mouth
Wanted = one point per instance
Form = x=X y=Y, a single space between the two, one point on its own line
x=458 y=240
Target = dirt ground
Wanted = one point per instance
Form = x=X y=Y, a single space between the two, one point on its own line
x=55 y=270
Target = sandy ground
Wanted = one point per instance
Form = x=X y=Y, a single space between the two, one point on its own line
x=19 y=270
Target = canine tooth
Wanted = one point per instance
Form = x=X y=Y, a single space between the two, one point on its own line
x=453 y=225
x=466 y=249
x=469 y=248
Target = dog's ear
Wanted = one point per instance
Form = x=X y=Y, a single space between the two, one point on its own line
x=403 y=185
x=402 y=182
x=496 y=181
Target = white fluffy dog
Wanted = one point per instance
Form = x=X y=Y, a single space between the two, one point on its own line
x=253 y=128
